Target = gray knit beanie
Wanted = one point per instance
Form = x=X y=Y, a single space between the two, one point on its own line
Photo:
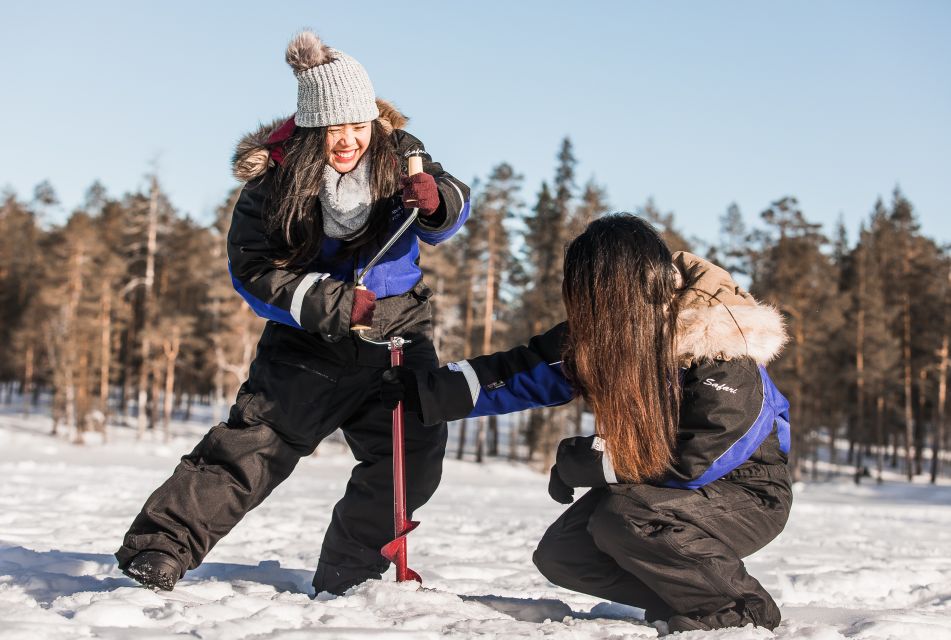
x=332 y=87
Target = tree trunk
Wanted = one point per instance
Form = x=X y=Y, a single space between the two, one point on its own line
x=894 y=438
x=880 y=435
x=71 y=345
x=463 y=427
x=939 y=429
x=171 y=349
x=57 y=406
x=28 y=378
x=154 y=395
x=437 y=324
x=127 y=374
x=487 y=330
x=467 y=322
x=493 y=434
x=239 y=370
x=858 y=429
x=906 y=358
x=533 y=431
x=145 y=351
x=69 y=399
x=814 y=448
x=796 y=455
x=554 y=429
x=480 y=439
x=833 y=453
x=82 y=395
x=920 y=422
x=515 y=430
x=105 y=346
x=489 y=295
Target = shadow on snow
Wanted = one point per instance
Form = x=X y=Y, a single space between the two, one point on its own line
x=47 y=575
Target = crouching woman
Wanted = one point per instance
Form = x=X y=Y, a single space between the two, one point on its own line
x=688 y=466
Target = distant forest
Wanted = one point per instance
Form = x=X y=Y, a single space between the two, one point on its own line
x=129 y=304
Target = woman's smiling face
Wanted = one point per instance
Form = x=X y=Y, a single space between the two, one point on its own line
x=346 y=144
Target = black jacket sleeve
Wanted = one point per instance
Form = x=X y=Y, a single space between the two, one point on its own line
x=310 y=301
x=522 y=378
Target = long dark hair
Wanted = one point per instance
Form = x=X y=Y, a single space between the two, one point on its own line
x=620 y=355
x=292 y=207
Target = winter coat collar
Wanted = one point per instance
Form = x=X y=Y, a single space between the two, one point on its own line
x=719 y=320
x=260 y=149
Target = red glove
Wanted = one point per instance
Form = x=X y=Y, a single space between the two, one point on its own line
x=420 y=192
x=364 y=303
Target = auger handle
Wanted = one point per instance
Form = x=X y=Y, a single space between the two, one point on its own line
x=414 y=165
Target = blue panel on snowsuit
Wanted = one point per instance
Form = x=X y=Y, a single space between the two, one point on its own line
x=769 y=418
x=261 y=308
x=542 y=386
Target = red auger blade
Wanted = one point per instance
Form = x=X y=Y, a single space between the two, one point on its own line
x=395 y=552
x=391 y=550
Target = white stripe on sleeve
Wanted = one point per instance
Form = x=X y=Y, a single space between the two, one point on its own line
x=472 y=379
x=462 y=198
x=607 y=467
x=306 y=283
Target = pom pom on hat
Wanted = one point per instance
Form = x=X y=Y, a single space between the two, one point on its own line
x=306 y=51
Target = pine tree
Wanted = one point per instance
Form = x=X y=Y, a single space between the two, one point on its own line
x=20 y=254
x=547 y=234
x=880 y=348
x=499 y=204
x=734 y=246
x=795 y=275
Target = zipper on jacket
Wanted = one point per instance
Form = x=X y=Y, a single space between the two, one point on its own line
x=304 y=367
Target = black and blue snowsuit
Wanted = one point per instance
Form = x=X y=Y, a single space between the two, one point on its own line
x=674 y=545
x=310 y=376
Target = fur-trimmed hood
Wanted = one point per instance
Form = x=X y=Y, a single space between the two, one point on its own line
x=261 y=148
x=719 y=320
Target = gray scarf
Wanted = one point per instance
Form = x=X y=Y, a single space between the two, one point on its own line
x=345 y=200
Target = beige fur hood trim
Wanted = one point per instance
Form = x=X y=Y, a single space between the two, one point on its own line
x=719 y=320
x=724 y=333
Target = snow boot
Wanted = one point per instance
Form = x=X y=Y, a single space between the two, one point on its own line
x=339 y=578
x=759 y=613
x=154 y=569
x=679 y=623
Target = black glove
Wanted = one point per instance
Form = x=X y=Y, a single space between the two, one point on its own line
x=399 y=383
x=579 y=463
x=558 y=490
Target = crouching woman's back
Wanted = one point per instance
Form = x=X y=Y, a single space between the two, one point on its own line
x=688 y=466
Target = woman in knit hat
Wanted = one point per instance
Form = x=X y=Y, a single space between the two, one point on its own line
x=324 y=191
x=688 y=470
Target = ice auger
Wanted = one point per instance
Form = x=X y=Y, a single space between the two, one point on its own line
x=395 y=549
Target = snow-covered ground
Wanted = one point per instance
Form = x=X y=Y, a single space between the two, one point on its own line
x=854 y=562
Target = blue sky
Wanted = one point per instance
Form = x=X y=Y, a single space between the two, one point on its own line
x=697 y=104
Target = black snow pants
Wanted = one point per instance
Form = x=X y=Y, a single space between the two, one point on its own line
x=301 y=388
x=673 y=551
